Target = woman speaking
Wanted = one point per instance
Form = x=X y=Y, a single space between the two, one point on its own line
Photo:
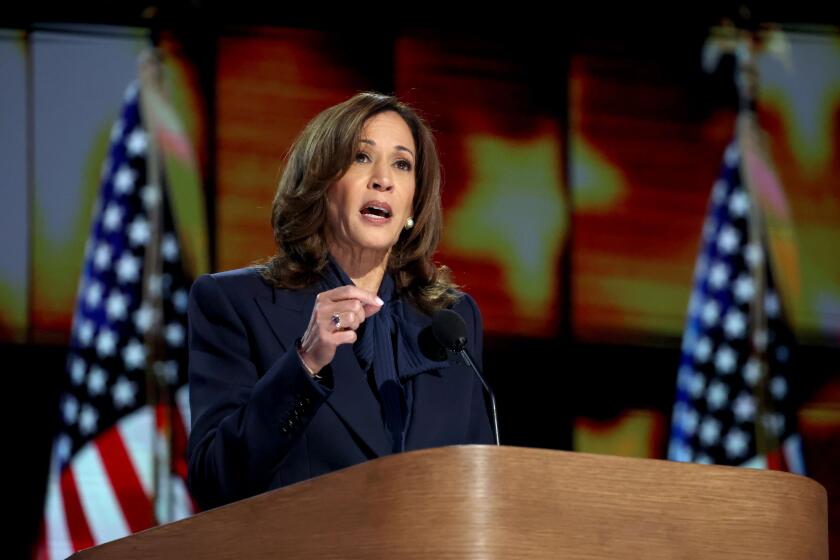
x=322 y=357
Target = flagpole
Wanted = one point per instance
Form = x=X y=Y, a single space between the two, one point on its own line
x=158 y=395
x=745 y=43
x=749 y=45
x=746 y=78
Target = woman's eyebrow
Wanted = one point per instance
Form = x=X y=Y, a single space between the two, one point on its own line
x=398 y=147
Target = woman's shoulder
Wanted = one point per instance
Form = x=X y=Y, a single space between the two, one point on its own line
x=245 y=274
x=238 y=276
x=465 y=305
x=234 y=283
x=457 y=300
x=461 y=298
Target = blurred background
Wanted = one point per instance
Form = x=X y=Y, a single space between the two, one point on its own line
x=580 y=153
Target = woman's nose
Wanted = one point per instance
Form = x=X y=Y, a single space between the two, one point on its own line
x=382 y=185
x=382 y=181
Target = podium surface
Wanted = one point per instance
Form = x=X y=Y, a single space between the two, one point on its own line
x=477 y=501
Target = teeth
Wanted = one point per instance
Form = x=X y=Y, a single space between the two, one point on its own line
x=379 y=209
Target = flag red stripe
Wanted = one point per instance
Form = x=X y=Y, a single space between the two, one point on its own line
x=77 y=524
x=180 y=465
x=775 y=460
x=128 y=490
x=39 y=551
x=179 y=444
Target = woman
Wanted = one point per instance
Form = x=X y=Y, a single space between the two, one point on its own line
x=323 y=356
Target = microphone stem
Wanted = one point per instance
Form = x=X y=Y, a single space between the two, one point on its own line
x=465 y=355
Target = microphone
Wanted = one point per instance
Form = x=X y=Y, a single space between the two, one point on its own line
x=451 y=332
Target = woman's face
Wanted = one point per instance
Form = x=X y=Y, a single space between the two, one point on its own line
x=369 y=205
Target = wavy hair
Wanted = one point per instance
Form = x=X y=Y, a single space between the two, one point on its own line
x=320 y=155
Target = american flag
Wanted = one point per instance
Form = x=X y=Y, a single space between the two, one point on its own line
x=733 y=403
x=119 y=458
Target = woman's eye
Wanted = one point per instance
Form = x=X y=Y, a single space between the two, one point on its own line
x=403 y=164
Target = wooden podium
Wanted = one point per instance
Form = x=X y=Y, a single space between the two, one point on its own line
x=477 y=501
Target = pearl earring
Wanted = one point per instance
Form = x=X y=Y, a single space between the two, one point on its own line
x=409 y=223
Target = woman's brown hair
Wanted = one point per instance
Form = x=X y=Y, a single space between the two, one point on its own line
x=320 y=155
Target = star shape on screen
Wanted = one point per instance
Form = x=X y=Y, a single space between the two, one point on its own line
x=515 y=215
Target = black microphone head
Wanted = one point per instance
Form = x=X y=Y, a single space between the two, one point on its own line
x=450 y=330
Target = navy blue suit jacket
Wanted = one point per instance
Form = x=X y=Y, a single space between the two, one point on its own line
x=259 y=420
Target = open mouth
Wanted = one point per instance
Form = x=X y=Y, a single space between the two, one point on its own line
x=377 y=209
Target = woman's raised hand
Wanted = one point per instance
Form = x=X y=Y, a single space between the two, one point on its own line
x=335 y=317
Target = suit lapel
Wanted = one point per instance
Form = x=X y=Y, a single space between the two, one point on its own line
x=288 y=314
x=354 y=401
